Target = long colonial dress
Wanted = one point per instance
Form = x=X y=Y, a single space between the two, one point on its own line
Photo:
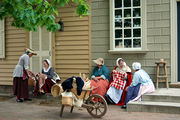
x=49 y=82
x=20 y=77
x=101 y=86
x=118 y=83
x=143 y=83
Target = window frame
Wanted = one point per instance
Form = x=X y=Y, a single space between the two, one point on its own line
x=2 y=22
x=143 y=48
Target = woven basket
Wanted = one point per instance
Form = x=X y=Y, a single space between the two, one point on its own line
x=67 y=101
x=56 y=90
x=31 y=82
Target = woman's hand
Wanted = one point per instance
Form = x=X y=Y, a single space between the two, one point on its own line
x=127 y=88
x=95 y=79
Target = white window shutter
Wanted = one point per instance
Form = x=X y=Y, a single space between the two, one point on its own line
x=2 y=39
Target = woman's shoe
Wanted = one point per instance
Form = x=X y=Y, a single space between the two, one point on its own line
x=19 y=100
x=124 y=107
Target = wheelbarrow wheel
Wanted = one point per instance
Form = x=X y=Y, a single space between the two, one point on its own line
x=98 y=106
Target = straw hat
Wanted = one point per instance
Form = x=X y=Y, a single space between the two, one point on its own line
x=31 y=51
x=99 y=61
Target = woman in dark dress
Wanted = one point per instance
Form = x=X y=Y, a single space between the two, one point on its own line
x=47 y=77
x=20 y=76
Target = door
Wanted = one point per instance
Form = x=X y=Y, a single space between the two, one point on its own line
x=40 y=41
x=178 y=33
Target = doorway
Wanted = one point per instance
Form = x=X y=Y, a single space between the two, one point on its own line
x=40 y=41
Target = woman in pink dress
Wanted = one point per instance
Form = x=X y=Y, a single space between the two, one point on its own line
x=100 y=77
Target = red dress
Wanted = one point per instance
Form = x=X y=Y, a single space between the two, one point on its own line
x=128 y=83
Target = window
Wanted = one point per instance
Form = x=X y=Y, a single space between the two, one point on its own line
x=2 y=40
x=126 y=25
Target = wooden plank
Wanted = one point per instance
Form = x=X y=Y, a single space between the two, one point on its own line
x=68 y=19
x=59 y=47
x=72 y=57
x=59 y=71
x=7 y=62
x=84 y=52
x=75 y=23
x=72 y=43
x=12 y=57
x=16 y=45
x=7 y=66
x=9 y=27
x=16 y=40
x=6 y=83
x=72 y=66
x=9 y=74
x=72 y=34
x=65 y=76
x=59 y=37
x=75 y=28
x=16 y=36
x=18 y=49
x=68 y=15
x=72 y=62
x=12 y=32
x=14 y=54
x=6 y=70
x=4 y=79
x=66 y=10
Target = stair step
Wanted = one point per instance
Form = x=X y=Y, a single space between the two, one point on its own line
x=158 y=107
x=161 y=98
x=163 y=95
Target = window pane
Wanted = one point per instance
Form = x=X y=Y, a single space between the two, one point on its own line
x=136 y=32
x=127 y=43
x=137 y=22
x=136 y=12
x=127 y=33
x=136 y=2
x=127 y=12
x=137 y=43
x=118 y=23
x=118 y=44
x=118 y=33
x=118 y=13
x=127 y=3
x=127 y=23
x=118 y=3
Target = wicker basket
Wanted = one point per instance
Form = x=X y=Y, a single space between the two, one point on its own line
x=31 y=82
x=56 y=90
x=67 y=101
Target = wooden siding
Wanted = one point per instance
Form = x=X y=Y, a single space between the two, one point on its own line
x=15 y=43
x=72 y=47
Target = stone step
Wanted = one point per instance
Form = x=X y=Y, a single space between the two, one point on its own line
x=157 y=107
x=163 y=95
x=161 y=98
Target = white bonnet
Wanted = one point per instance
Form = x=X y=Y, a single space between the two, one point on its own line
x=136 y=66
x=117 y=62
